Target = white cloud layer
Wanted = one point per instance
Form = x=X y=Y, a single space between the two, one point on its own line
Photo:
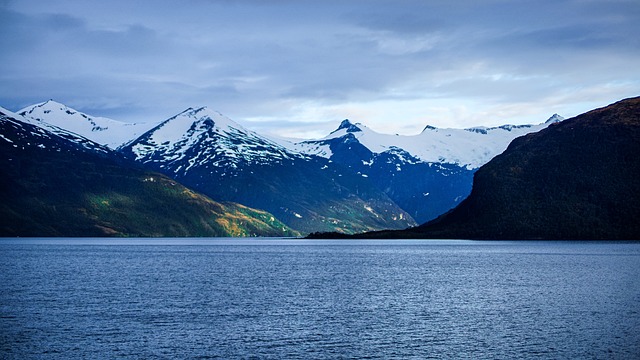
x=296 y=68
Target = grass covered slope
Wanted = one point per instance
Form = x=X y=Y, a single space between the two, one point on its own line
x=50 y=186
x=579 y=179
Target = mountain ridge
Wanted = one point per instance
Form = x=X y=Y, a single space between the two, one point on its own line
x=425 y=174
x=416 y=177
x=463 y=147
x=59 y=184
x=220 y=158
x=105 y=131
x=575 y=180
x=50 y=111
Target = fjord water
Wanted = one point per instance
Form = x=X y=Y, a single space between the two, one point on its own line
x=190 y=298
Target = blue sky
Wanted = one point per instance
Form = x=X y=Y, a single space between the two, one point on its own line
x=297 y=68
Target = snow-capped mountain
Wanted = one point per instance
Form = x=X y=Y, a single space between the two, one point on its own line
x=426 y=174
x=56 y=183
x=105 y=131
x=215 y=155
x=40 y=134
x=407 y=178
x=205 y=138
x=470 y=148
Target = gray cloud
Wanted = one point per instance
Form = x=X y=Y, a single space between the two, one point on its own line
x=400 y=63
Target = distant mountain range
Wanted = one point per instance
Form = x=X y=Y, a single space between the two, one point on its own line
x=426 y=174
x=65 y=173
x=579 y=179
x=354 y=180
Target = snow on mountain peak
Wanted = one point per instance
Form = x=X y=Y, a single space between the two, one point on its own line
x=102 y=130
x=470 y=148
x=554 y=119
x=348 y=126
x=200 y=137
x=48 y=111
x=202 y=114
x=41 y=131
x=203 y=128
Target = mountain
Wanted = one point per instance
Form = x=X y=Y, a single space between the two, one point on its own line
x=379 y=180
x=469 y=148
x=56 y=183
x=109 y=132
x=426 y=174
x=218 y=157
x=578 y=179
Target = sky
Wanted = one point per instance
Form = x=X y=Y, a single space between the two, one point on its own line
x=296 y=68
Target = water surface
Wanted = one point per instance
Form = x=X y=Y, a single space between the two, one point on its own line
x=286 y=298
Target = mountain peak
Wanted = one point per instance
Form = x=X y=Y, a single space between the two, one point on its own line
x=555 y=118
x=52 y=102
x=207 y=136
x=104 y=131
x=201 y=112
x=46 y=107
x=348 y=126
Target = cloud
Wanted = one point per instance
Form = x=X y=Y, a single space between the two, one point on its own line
x=304 y=65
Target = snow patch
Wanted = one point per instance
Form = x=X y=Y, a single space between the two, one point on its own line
x=4 y=138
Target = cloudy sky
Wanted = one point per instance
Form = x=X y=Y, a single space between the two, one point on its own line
x=297 y=67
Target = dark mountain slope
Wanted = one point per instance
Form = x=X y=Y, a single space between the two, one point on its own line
x=425 y=190
x=60 y=186
x=579 y=179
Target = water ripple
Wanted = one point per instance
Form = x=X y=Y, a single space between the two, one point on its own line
x=410 y=300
